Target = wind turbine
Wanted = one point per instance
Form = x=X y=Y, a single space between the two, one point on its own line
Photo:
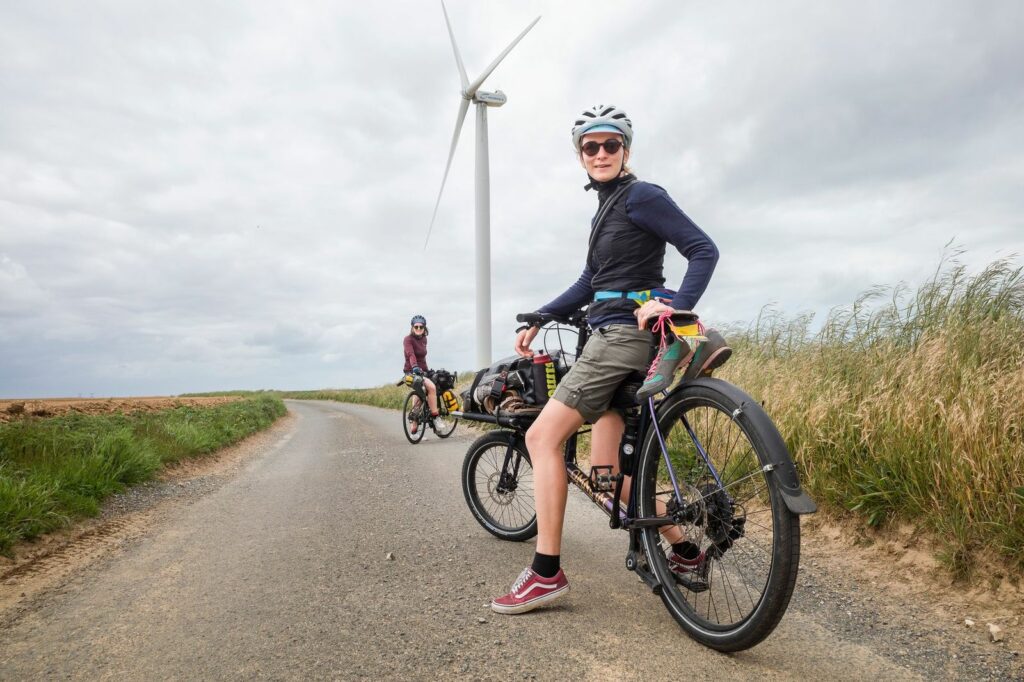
x=471 y=92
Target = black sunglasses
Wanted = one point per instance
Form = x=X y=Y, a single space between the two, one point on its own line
x=418 y=326
x=610 y=145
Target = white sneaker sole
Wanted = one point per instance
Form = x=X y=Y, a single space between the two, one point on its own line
x=532 y=604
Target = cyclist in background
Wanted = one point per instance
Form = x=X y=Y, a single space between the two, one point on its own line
x=624 y=264
x=415 y=350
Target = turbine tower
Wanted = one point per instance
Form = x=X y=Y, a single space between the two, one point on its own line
x=471 y=92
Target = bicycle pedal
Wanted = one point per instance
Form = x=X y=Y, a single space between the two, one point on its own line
x=602 y=479
x=693 y=583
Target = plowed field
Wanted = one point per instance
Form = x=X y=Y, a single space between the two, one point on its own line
x=52 y=407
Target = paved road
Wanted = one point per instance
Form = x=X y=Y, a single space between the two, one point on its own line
x=281 y=573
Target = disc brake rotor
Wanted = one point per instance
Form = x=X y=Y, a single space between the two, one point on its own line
x=500 y=495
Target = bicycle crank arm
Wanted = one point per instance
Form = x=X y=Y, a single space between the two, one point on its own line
x=647 y=522
x=636 y=561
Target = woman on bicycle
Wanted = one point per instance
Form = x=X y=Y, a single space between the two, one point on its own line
x=415 y=350
x=624 y=264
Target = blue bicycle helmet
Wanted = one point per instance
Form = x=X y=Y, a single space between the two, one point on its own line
x=603 y=118
x=418 y=319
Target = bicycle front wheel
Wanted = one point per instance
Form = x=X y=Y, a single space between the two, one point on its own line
x=497 y=480
x=719 y=456
x=444 y=423
x=412 y=411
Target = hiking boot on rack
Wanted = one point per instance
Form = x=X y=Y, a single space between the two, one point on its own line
x=709 y=356
x=671 y=353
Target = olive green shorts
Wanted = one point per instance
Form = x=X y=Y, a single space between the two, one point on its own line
x=611 y=354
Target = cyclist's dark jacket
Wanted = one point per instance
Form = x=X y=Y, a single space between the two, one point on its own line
x=629 y=255
x=415 y=352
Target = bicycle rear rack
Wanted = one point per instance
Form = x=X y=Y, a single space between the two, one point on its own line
x=511 y=421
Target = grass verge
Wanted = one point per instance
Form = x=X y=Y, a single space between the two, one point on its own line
x=53 y=471
x=907 y=406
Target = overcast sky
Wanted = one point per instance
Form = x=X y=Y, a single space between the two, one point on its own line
x=212 y=195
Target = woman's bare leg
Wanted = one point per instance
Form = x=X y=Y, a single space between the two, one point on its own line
x=604 y=451
x=544 y=441
x=431 y=395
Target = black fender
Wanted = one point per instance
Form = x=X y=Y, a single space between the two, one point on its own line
x=749 y=411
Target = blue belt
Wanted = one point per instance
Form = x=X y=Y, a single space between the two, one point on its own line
x=638 y=296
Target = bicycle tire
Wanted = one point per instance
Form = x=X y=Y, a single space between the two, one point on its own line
x=407 y=415
x=443 y=424
x=507 y=512
x=750 y=566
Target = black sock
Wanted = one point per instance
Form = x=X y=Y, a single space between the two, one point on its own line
x=546 y=565
x=686 y=549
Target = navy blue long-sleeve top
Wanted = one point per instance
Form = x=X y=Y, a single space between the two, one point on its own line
x=629 y=252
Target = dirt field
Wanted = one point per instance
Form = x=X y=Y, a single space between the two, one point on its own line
x=11 y=409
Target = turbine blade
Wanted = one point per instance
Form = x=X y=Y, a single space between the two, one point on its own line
x=463 y=108
x=475 y=85
x=458 y=57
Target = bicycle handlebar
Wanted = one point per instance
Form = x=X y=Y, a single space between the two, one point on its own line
x=576 y=318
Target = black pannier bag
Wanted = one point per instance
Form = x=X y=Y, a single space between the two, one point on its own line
x=508 y=386
x=444 y=380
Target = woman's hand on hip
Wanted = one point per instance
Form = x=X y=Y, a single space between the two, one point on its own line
x=524 y=339
x=648 y=310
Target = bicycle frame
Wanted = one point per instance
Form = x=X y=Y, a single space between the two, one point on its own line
x=609 y=502
x=636 y=431
x=690 y=454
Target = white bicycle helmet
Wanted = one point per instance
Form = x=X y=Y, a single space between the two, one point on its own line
x=603 y=118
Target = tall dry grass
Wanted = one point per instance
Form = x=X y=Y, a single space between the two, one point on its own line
x=907 y=405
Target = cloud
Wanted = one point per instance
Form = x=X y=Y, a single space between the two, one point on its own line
x=199 y=197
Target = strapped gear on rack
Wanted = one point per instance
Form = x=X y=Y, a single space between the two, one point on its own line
x=510 y=385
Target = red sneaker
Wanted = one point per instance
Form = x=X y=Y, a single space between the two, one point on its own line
x=530 y=591
x=680 y=566
x=690 y=573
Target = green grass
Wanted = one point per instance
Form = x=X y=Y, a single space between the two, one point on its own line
x=388 y=396
x=55 y=470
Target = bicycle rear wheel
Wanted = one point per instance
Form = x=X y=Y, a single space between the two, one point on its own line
x=497 y=480
x=731 y=509
x=411 y=411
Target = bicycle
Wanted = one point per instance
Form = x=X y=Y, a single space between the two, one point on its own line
x=416 y=409
x=703 y=456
